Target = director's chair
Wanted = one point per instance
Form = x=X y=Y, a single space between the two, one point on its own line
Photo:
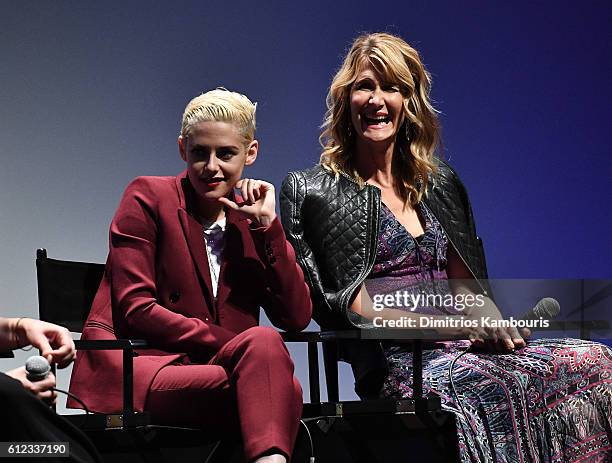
x=66 y=290
x=342 y=430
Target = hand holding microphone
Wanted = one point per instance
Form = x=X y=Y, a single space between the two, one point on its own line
x=507 y=339
x=55 y=344
x=37 y=378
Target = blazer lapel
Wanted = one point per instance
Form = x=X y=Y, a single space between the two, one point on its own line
x=195 y=240
x=232 y=252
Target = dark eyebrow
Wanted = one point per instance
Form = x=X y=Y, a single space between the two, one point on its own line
x=364 y=79
x=204 y=147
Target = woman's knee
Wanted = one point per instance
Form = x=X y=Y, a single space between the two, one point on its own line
x=297 y=389
x=264 y=336
x=266 y=342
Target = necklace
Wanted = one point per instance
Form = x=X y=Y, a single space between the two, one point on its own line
x=214 y=277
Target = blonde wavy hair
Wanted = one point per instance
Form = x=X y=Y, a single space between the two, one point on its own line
x=417 y=139
x=221 y=105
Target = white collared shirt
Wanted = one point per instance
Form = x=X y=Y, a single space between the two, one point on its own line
x=214 y=239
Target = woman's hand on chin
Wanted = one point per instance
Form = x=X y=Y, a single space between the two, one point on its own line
x=258 y=201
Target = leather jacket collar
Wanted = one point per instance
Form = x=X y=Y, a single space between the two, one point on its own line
x=333 y=225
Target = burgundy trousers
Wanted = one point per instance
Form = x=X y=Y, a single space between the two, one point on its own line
x=248 y=387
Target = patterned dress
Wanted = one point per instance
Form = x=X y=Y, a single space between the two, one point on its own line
x=548 y=402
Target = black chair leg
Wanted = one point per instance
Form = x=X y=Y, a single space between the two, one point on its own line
x=330 y=361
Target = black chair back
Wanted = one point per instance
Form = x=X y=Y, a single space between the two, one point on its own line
x=66 y=290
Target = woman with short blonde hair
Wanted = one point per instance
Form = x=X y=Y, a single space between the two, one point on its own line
x=190 y=263
x=221 y=105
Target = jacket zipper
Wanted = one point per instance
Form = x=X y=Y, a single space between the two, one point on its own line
x=347 y=293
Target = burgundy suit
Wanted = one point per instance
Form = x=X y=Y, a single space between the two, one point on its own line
x=157 y=287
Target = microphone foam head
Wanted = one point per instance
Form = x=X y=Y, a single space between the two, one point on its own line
x=547 y=308
x=37 y=367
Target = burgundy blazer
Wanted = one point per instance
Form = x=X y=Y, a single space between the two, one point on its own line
x=157 y=287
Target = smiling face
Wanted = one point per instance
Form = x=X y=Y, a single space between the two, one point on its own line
x=376 y=107
x=216 y=153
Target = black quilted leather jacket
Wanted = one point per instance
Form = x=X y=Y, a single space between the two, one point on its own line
x=332 y=224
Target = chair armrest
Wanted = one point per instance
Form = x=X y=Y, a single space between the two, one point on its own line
x=374 y=334
x=302 y=336
x=111 y=344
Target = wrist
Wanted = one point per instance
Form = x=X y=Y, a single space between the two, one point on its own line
x=19 y=332
x=264 y=220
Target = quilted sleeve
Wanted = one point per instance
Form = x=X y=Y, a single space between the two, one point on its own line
x=293 y=194
x=476 y=254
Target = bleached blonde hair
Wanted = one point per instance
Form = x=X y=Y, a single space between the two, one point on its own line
x=221 y=105
x=417 y=139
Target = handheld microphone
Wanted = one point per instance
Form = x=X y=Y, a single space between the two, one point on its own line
x=546 y=309
x=37 y=367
